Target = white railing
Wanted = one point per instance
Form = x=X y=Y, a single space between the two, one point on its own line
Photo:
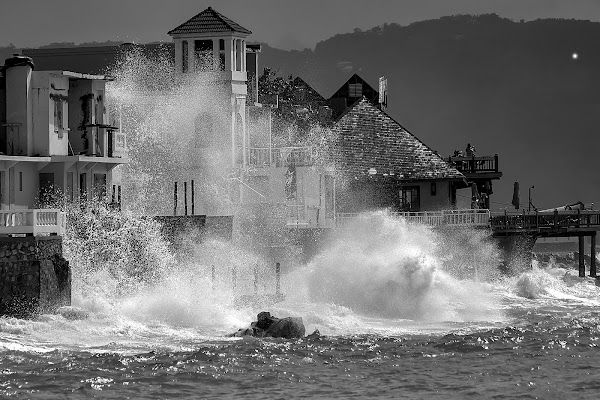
x=119 y=145
x=280 y=156
x=32 y=222
x=433 y=218
x=297 y=215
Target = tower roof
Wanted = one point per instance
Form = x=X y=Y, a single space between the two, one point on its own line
x=208 y=21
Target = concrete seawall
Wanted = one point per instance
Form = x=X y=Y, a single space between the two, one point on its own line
x=34 y=276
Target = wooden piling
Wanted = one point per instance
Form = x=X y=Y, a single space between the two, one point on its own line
x=192 y=197
x=277 y=278
x=213 y=277
x=581 y=256
x=234 y=278
x=256 y=279
x=593 y=255
x=175 y=199
x=185 y=198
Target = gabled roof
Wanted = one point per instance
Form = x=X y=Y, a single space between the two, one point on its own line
x=208 y=21
x=369 y=139
x=342 y=91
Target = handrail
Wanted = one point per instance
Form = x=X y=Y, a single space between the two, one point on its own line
x=545 y=221
x=280 y=156
x=35 y=222
x=468 y=217
x=475 y=164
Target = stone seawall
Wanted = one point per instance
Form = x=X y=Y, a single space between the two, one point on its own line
x=34 y=276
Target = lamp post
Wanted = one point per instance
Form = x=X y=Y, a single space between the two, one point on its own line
x=530 y=204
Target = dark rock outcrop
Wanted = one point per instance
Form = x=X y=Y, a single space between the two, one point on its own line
x=269 y=326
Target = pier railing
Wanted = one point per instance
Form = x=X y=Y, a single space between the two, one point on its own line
x=475 y=218
x=32 y=222
x=549 y=221
x=280 y=156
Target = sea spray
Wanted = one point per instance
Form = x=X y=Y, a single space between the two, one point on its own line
x=384 y=266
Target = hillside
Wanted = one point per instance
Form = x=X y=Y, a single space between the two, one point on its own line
x=511 y=88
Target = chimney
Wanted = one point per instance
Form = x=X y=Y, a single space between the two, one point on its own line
x=19 y=127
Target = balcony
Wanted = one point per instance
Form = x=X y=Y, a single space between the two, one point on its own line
x=117 y=145
x=32 y=222
x=477 y=166
x=280 y=156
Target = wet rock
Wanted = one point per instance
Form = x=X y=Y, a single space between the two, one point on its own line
x=72 y=313
x=269 y=326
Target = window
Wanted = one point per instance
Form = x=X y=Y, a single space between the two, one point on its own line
x=58 y=117
x=20 y=181
x=238 y=55
x=46 y=188
x=100 y=186
x=409 y=197
x=70 y=191
x=433 y=188
x=355 y=90
x=83 y=187
x=203 y=55
x=222 y=54
x=184 y=56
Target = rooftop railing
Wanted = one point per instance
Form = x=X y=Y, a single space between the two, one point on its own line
x=475 y=164
x=32 y=222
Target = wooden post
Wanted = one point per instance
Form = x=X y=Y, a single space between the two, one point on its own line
x=234 y=277
x=256 y=279
x=213 y=277
x=175 y=199
x=277 y=278
x=192 y=197
x=593 y=255
x=581 y=258
x=185 y=198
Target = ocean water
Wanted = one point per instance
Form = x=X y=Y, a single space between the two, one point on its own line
x=403 y=312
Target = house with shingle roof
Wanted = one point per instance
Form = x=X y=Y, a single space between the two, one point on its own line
x=382 y=165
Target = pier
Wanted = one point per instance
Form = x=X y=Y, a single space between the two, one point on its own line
x=515 y=231
x=564 y=223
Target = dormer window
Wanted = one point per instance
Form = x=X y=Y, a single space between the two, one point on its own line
x=355 y=90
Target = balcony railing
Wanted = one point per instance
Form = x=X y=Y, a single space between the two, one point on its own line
x=474 y=218
x=117 y=145
x=280 y=156
x=32 y=222
x=546 y=221
x=475 y=164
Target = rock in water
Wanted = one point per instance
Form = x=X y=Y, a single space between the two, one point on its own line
x=269 y=326
x=72 y=313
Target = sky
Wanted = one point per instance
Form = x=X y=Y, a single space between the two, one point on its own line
x=286 y=24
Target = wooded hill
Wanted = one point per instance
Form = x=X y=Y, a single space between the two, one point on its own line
x=511 y=88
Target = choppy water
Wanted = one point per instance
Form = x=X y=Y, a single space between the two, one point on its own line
x=398 y=321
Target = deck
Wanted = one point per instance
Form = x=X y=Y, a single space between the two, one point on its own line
x=477 y=166
x=546 y=224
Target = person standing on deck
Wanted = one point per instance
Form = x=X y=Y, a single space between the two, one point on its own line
x=470 y=152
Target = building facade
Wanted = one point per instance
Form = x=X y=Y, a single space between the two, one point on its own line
x=56 y=135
